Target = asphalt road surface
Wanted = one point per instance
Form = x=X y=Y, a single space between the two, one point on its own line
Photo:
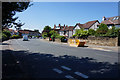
x=41 y=59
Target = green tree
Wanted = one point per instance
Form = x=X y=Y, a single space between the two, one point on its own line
x=102 y=30
x=91 y=32
x=9 y=9
x=81 y=33
x=44 y=35
x=47 y=29
x=54 y=34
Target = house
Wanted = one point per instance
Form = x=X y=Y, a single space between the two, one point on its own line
x=24 y=32
x=13 y=32
x=88 y=25
x=68 y=31
x=29 y=33
x=64 y=30
x=111 y=21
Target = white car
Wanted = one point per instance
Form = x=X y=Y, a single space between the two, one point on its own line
x=25 y=38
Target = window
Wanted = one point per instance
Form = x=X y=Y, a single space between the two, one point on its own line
x=117 y=18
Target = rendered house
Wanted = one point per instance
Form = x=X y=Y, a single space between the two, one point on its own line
x=87 y=26
x=68 y=31
x=111 y=21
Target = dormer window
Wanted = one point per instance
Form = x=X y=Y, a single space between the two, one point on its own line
x=117 y=18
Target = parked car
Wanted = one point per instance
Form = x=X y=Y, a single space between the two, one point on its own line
x=64 y=39
x=25 y=38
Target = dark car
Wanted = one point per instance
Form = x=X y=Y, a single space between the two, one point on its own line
x=64 y=39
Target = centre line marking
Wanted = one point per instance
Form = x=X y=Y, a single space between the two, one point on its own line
x=80 y=74
x=57 y=70
x=67 y=68
x=70 y=77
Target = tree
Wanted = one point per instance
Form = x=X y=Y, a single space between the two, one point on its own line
x=9 y=9
x=47 y=29
x=91 y=32
x=113 y=32
x=44 y=35
x=81 y=33
x=102 y=30
x=53 y=34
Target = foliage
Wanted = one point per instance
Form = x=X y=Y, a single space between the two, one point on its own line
x=47 y=29
x=9 y=9
x=113 y=32
x=44 y=35
x=81 y=33
x=91 y=32
x=54 y=34
x=4 y=37
x=102 y=30
x=7 y=33
x=15 y=37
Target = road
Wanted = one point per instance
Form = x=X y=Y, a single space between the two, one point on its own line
x=42 y=59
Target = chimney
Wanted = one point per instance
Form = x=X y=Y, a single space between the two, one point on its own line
x=103 y=19
x=54 y=26
x=64 y=25
x=59 y=25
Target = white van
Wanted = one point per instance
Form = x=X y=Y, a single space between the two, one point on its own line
x=25 y=38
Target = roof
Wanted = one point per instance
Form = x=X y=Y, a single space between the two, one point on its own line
x=112 y=20
x=24 y=31
x=87 y=24
x=70 y=28
x=11 y=30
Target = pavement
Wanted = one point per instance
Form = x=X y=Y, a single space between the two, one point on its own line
x=40 y=60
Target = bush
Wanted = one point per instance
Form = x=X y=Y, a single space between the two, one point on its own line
x=102 y=30
x=81 y=33
x=7 y=33
x=113 y=32
x=74 y=35
x=44 y=35
x=4 y=37
x=91 y=32
x=15 y=37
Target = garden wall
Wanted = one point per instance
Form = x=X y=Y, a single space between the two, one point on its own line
x=103 y=41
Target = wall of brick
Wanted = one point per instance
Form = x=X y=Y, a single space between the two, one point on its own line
x=103 y=41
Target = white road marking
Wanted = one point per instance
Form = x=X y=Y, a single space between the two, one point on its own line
x=80 y=74
x=67 y=68
x=57 y=70
x=70 y=77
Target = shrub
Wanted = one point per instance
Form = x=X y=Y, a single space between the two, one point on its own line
x=4 y=37
x=102 y=30
x=44 y=35
x=7 y=33
x=15 y=37
x=91 y=32
x=81 y=33
x=54 y=34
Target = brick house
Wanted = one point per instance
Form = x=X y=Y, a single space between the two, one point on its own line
x=68 y=31
x=29 y=33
